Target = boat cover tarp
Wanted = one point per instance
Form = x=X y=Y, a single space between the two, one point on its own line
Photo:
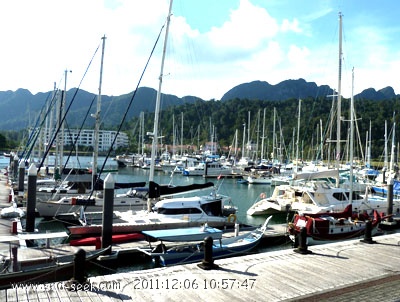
x=182 y=234
x=316 y=175
x=396 y=186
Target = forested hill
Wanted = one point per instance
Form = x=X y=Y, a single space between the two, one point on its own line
x=223 y=119
x=20 y=110
x=258 y=90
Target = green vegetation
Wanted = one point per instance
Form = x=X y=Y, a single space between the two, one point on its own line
x=225 y=117
x=228 y=116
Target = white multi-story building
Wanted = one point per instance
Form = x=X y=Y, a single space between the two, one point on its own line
x=87 y=136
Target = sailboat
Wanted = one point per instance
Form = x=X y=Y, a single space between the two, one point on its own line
x=311 y=192
x=69 y=198
x=214 y=209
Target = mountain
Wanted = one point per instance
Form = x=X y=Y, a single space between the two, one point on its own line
x=386 y=93
x=258 y=90
x=21 y=109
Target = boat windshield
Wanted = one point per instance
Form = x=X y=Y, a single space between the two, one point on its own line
x=213 y=208
x=178 y=211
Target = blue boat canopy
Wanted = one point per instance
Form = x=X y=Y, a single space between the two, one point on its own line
x=184 y=234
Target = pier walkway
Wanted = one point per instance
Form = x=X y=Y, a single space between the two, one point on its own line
x=342 y=271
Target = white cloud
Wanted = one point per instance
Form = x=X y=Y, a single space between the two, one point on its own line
x=254 y=43
x=291 y=26
x=247 y=27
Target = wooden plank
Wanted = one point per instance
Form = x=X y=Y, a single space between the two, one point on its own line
x=36 y=236
x=274 y=276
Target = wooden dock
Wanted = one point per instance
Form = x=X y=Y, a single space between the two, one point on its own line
x=331 y=270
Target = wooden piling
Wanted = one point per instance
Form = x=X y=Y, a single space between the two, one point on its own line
x=108 y=209
x=208 y=261
x=21 y=177
x=303 y=248
x=31 y=199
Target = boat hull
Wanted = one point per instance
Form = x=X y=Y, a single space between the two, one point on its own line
x=194 y=255
x=116 y=238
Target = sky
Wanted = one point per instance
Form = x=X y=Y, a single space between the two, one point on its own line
x=212 y=46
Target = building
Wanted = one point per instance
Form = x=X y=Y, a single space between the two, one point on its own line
x=87 y=136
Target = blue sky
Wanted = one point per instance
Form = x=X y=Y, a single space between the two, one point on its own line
x=213 y=45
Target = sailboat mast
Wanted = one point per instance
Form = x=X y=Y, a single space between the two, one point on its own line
x=351 y=137
x=49 y=132
x=298 y=137
x=236 y=147
x=98 y=110
x=258 y=134
x=321 y=148
x=339 y=97
x=248 y=134
x=244 y=137
x=385 y=165
x=273 y=137
x=181 y=133
x=392 y=152
x=369 y=145
x=263 y=136
x=158 y=99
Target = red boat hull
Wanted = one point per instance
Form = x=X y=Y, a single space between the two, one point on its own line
x=117 y=238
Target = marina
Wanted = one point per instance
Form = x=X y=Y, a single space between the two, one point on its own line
x=207 y=218
x=326 y=271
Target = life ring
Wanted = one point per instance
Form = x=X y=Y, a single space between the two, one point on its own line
x=263 y=195
x=232 y=218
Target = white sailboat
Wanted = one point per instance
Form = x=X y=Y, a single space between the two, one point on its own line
x=313 y=193
x=67 y=198
x=214 y=209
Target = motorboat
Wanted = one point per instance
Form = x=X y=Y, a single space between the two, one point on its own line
x=313 y=193
x=214 y=209
x=210 y=169
x=134 y=198
x=330 y=226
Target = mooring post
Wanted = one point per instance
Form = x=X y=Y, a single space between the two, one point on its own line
x=108 y=211
x=368 y=233
x=208 y=261
x=10 y=163
x=15 y=263
x=78 y=279
x=21 y=178
x=302 y=248
x=31 y=199
x=390 y=199
x=15 y=167
x=79 y=266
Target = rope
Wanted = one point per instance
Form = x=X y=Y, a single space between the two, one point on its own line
x=66 y=112
x=79 y=132
x=126 y=111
